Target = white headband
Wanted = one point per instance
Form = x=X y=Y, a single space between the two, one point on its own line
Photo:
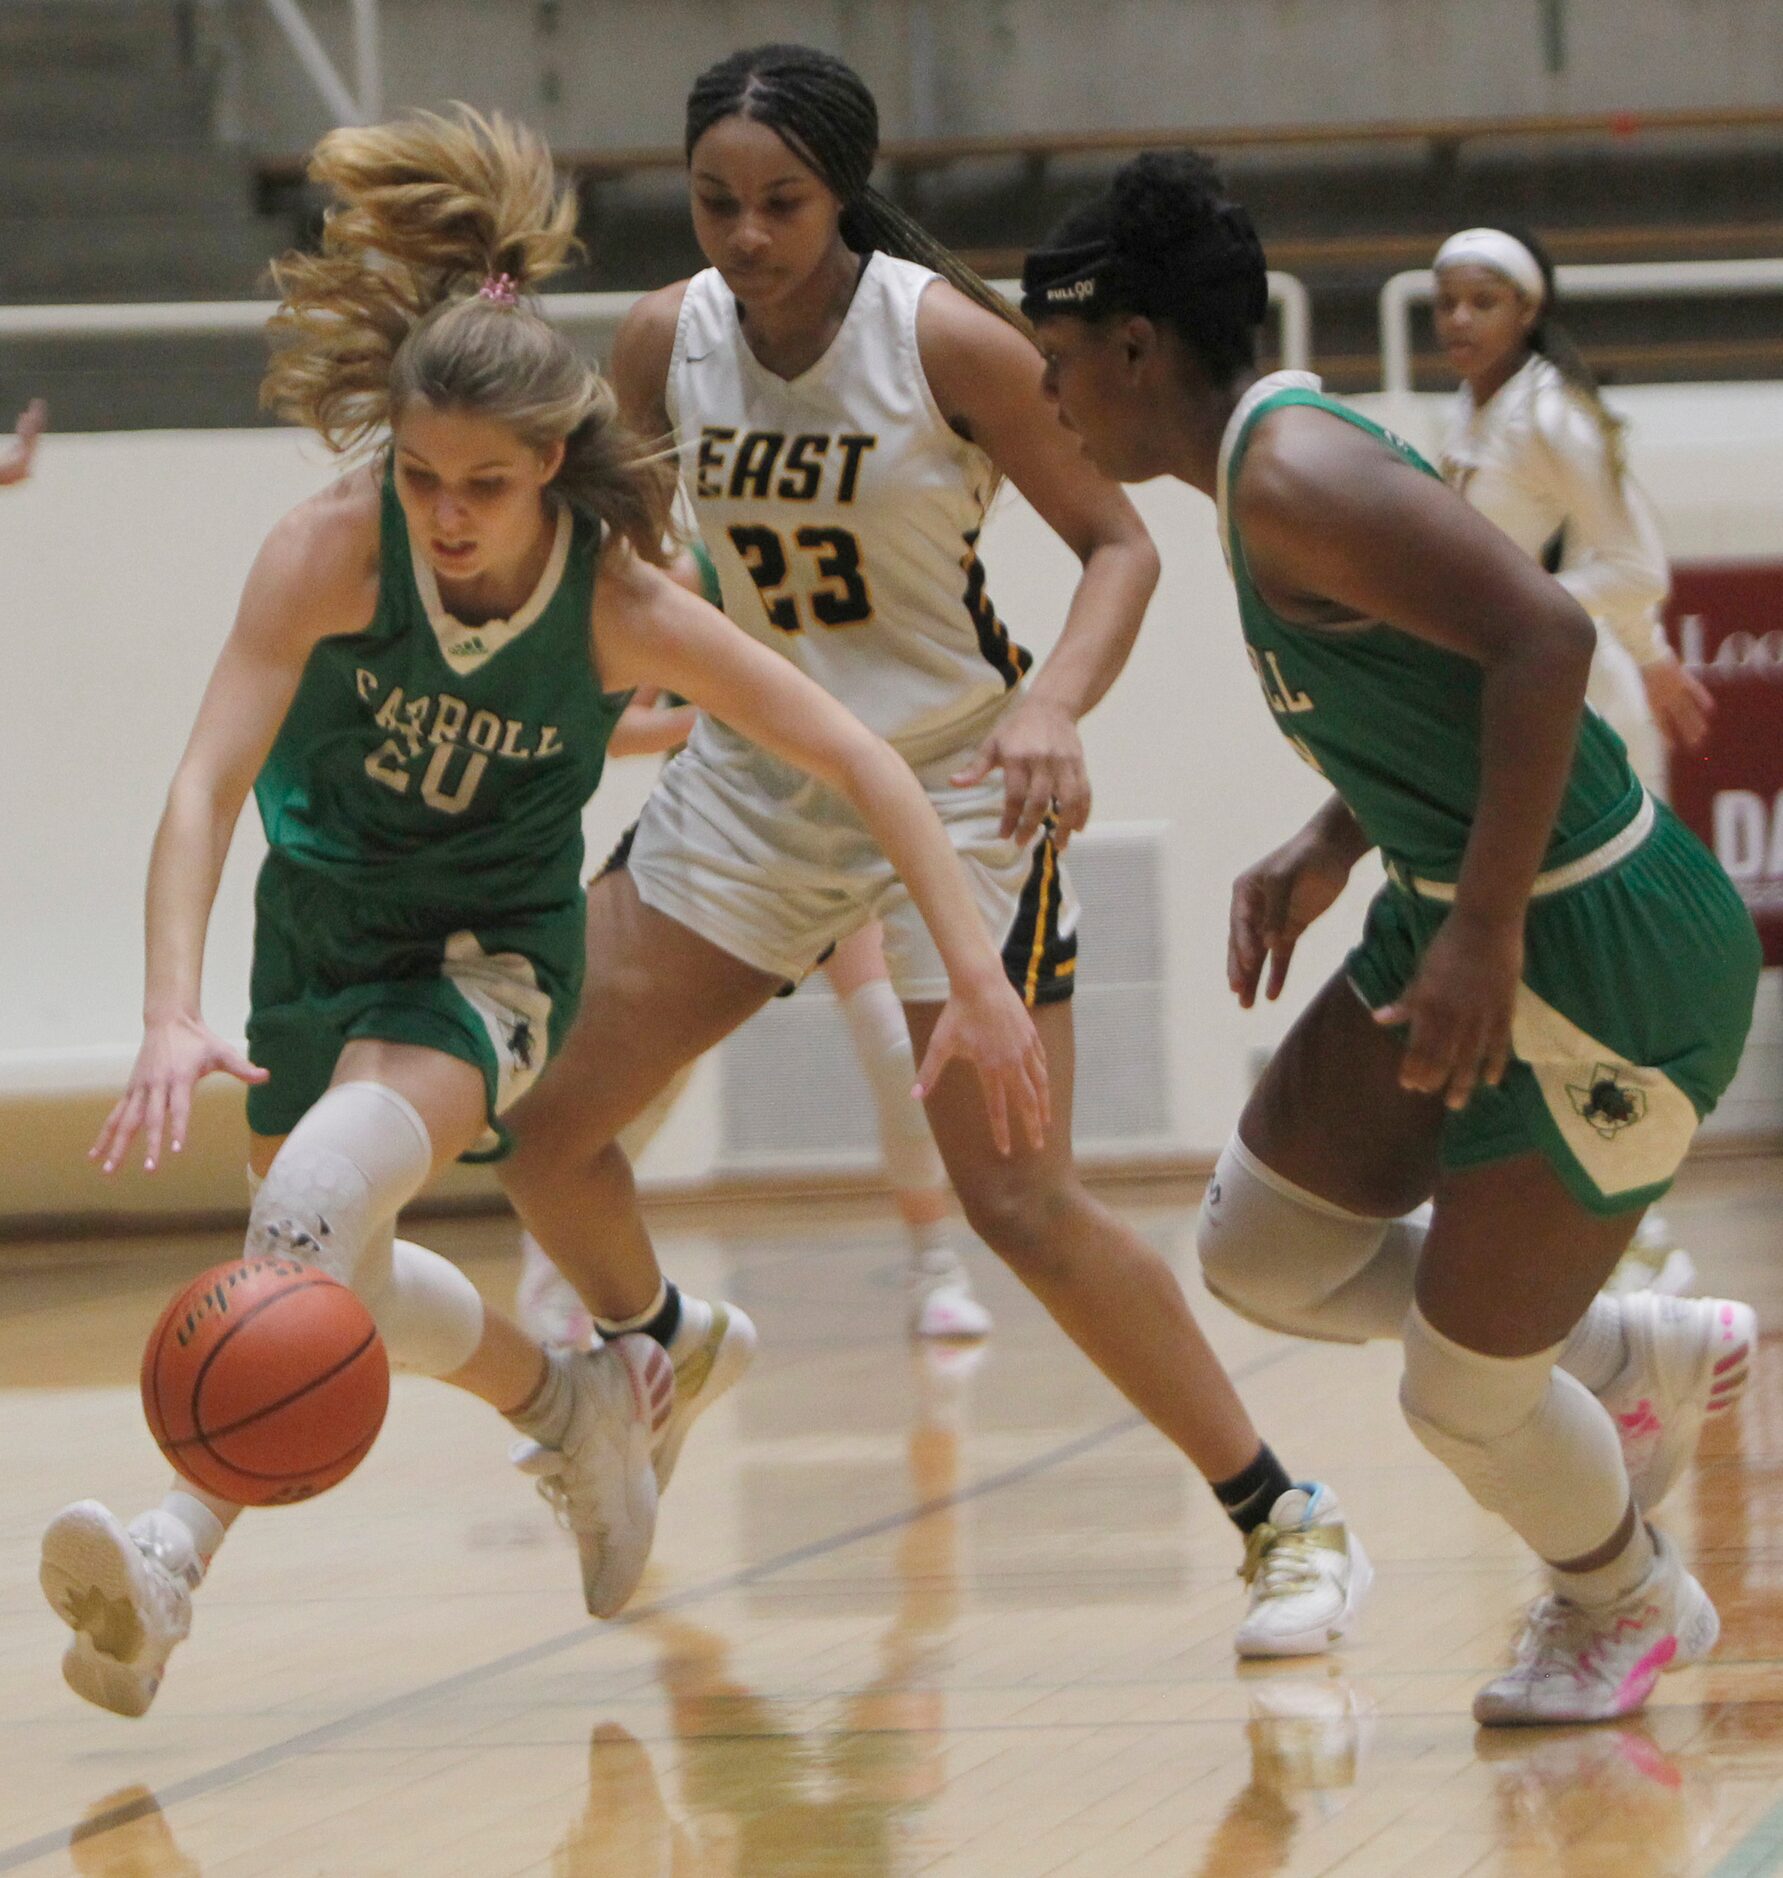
x=1504 y=254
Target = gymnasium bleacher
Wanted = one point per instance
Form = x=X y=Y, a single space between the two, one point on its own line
x=131 y=178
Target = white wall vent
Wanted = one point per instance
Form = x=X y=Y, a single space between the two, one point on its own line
x=792 y=1098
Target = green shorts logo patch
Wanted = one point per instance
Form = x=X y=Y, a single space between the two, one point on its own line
x=1607 y=1103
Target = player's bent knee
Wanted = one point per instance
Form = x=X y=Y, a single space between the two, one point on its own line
x=1020 y=1218
x=556 y=1137
x=359 y=1155
x=1273 y=1252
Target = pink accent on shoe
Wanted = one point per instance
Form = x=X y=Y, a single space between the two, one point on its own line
x=1727 y=1362
x=1638 y=1684
x=1727 y=1317
x=1639 y=1420
x=651 y=1379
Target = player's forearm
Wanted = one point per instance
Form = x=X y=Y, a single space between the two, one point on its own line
x=1530 y=711
x=185 y=867
x=1334 y=827
x=1107 y=610
x=645 y=730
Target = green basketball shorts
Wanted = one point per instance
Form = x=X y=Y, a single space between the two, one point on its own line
x=1638 y=983
x=333 y=962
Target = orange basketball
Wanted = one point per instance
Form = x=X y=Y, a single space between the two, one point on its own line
x=265 y=1382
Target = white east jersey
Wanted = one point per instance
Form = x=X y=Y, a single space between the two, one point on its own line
x=1534 y=461
x=843 y=512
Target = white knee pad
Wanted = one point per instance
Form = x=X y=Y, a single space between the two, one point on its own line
x=882 y=1042
x=429 y=1314
x=1290 y=1261
x=1526 y=1440
x=331 y=1198
x=350 y=1166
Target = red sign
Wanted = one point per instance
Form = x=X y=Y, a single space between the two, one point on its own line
x=1726 y=621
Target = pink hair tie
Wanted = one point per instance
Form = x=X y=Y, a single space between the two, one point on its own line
x=500 y=290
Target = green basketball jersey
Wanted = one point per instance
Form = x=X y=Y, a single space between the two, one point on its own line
x=1391 y=721
x=441 y=764
x=710 y=586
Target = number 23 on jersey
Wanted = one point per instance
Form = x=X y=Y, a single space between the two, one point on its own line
x=838 y=596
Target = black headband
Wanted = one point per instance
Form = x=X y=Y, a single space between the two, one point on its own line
x=1090 y=278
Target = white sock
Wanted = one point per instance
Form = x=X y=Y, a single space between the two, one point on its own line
x=934 y=1259
x=197 y=1513
x=691 y=1326
x=626 y=1326
x=547 y=1416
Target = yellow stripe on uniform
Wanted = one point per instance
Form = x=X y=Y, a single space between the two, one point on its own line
x=1032 y=988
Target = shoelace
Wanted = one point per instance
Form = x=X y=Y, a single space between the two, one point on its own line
x=565 y=1504
x=551 y=1490
x=1563 y=1638
x=1283 y=1557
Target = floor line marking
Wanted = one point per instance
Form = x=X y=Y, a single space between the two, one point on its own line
x=274 y=1754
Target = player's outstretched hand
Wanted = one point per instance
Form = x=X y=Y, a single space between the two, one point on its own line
x=15 y=463
x=1037 y=748
x=1680 y=702
x=990 y=1028
x=175 y=1055
x=1458 y=1007
x=1273 y=903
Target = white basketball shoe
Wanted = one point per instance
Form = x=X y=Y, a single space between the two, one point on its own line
x=943 y=1308
x=1308 y=1576
x=126 y=1593
x=1307 y=1736
x=1654 y=1261
x=1579 y=1664
x=1688 y=1359
x=600 y=1482
x=705 y=1369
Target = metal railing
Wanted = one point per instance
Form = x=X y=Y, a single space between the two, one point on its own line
x=362 y=103
x=201 y=319
x=1632 y=280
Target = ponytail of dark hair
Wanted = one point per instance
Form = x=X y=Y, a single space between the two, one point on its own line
x=821 y=109
x=1554 y=341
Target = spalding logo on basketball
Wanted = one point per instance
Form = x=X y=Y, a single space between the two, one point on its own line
x=265 y=1381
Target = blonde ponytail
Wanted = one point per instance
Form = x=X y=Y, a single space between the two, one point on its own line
x=440 y=228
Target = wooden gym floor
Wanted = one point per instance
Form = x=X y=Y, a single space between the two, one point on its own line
x=909 y=1613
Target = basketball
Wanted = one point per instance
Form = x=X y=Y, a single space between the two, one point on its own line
x=265 y=1382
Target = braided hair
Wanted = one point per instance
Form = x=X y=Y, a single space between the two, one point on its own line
x=1552 y=339
x=821 y=109
x=1167 y=242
